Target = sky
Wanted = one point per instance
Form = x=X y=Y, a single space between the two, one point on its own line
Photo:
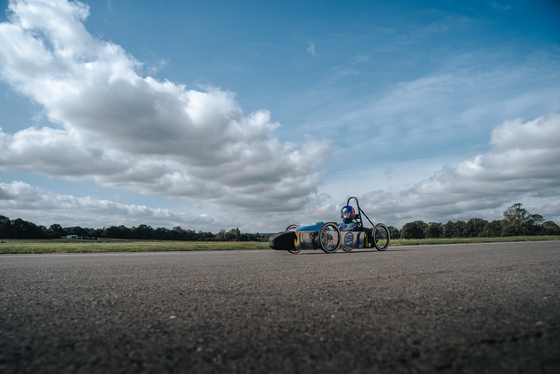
x=213 y=115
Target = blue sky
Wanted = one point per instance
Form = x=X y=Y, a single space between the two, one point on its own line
x=217 y=114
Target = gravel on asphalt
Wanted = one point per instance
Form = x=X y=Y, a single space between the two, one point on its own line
x=485 y=308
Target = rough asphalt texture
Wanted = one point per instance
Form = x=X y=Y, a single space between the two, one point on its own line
x=484 y=308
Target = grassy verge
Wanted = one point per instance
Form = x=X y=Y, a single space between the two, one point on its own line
x=112 y=245
x=471 y=240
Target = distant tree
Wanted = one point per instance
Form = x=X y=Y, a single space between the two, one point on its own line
x=25 y=230
x=204 y=236
x=76 y=230
x=516 y=212
x=231 y=235
x=551 y=228
x=160 y=233
x=117 y=232
x=189 y=235
x=448 y=229
x=208 y=236
x=533 y=226
x=176 y=233
x=492 y=229
x=5 y=228
x=474 y=227
x=537 y=219
x=55 y=227
x=48 y=233
x=95 y=233
x=454 y=229
x=142 y=232
x=518 y=221
x=393 y=232
x=512 y=228
x=433 y=230
x=413 y=230
x=458 y=228
x=221 y=235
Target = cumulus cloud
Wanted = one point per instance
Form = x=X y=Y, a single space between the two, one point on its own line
x=43 y=207
x=19 y=199
x=120 y=129
x=524 y=161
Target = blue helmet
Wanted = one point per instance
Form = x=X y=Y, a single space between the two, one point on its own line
x=347 y=214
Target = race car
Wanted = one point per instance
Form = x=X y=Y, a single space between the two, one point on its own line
x=328 y=237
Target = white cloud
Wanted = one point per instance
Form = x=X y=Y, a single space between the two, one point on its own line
x=42 y=207
x=19 y=199
x=311 y=49
x=154 y=67
x=524 y=161
x=456 y=106
x=458 y=103
x=500 y=7
x=361 y=58
x=120 y=129
x=523 y=164
x=551 y=210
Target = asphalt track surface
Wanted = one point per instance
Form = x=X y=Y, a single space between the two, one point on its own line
x=484 y=308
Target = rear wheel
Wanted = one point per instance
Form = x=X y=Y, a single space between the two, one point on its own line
x=381 y=237
x=291 y=227
x=329 y=237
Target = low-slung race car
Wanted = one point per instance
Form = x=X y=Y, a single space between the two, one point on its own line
x=328 y=237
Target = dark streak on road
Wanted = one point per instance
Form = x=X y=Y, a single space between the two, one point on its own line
x=487 y=308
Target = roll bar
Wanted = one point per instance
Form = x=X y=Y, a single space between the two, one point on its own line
x=360 y=212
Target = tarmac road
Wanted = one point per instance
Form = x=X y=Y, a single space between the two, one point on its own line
x=485 y=308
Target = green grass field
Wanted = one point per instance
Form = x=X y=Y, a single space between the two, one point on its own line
x=112 y=245
x=472 y=240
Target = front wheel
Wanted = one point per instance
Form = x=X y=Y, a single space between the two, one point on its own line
x=381 y=237
x=292 y=228
x=329 y=237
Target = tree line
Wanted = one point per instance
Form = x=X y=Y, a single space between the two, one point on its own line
x=21 y=229
x=517 y=221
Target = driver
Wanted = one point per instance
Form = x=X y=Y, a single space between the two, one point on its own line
x=348 y=224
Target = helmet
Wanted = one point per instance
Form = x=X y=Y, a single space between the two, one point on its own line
x=347 y=214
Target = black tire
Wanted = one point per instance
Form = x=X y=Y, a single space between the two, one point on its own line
x=329 y=237
x=294 y=251
x=381 y=237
